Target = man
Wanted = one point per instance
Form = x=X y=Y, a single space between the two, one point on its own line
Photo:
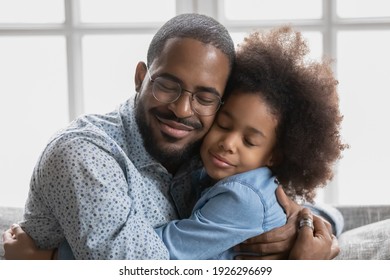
x=105 y=182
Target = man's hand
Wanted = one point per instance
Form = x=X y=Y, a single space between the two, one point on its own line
x=18 y=245
x=277 y=243
x=287 y=242
x=315 y=244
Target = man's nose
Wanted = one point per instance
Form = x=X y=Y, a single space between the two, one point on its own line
x=182 y=106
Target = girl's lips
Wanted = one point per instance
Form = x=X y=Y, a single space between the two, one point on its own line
x=220 y=161
x=173 y=128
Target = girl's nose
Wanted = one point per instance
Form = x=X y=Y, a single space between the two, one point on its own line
x=229 y=143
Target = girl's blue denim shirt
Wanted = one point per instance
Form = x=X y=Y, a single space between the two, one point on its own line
x=234 y=209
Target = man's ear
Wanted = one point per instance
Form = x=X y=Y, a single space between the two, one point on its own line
x=140 y=73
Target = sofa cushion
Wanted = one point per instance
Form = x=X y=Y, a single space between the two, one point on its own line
x=369 y=242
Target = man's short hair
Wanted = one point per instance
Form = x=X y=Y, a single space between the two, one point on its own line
x=195 y=26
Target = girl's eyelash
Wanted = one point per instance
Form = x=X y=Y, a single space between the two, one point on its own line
x=222 y=127
x=248 y=143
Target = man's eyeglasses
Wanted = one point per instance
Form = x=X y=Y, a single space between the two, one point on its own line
x=203 y=103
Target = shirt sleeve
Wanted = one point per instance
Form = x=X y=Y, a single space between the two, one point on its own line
x=225 y=216
x=80 y=192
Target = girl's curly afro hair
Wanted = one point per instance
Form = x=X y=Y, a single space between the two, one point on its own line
x=302 y=95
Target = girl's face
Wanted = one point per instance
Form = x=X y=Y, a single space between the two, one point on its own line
x=242 y=137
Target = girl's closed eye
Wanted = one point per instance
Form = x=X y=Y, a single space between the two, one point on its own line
x=248 y=143
x=222 y=125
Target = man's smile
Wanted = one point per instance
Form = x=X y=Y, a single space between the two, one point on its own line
x=173 y=128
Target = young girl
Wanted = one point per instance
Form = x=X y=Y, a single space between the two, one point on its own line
x=279 y=123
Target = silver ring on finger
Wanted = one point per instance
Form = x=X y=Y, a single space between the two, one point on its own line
x=308 y=222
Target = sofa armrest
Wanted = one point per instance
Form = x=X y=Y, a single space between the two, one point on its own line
x=357 y=216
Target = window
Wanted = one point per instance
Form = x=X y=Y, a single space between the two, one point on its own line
x=34 y=104
x=63 y=58
x=60 y=59
x=356 y=33
x=124 y=11
x=27 y=11
x=362 y=8
x=111 y=60
x=271 y=10
x=363 y=70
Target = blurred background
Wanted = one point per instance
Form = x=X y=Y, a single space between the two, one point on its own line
x=63 y=58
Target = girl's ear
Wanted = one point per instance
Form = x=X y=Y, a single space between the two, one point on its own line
x=275 y=159
x=140 y=73
x=270 y=161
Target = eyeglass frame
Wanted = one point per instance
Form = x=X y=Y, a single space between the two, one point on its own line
x=193 y=94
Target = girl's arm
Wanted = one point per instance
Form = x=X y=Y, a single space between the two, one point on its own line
x=223 y=217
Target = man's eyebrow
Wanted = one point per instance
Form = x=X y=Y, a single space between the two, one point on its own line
x=197 y=88
x=168 y=76
x=208 y=89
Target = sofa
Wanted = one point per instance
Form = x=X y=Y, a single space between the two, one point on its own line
x=355 y=218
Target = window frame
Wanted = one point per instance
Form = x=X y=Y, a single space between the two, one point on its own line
x=73 y=31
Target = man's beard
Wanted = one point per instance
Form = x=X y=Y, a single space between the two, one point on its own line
x=169 y=157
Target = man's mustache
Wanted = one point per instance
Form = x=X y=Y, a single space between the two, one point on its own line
x=172 y=117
